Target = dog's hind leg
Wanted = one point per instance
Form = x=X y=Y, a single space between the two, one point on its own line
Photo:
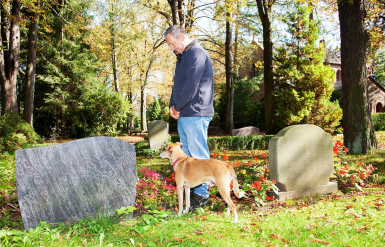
x=224 y=190
x=187 y=196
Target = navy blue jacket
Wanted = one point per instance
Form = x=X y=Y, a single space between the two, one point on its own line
x=193 y=91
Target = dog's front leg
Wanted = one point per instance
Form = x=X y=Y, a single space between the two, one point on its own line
x=187 y=196
x=180 y=199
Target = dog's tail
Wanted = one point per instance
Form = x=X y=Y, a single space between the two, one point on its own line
x=235 y=184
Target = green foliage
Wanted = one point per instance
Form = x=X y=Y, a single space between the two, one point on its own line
x=304 y=83
x=143 y=149
x=378 y=121
x=15 y=133
x=154 y=110
x=247 y=108
x=7 y=173
x=68 y=77
x=379 y=66
x=103 y=110
x=235 y=142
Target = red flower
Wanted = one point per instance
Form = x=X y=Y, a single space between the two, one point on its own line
x=262 y=178
x=346 y=150
x=263 y=156
x=269 y=198
x=215 y=155
x=257 y=185
x=237 y=163
x=335 y=149
x=255 y=158
x=274 y=181
x=362 y=163
x=362 y=176
x=231 y=185
x=342 y=172
x=172 y=174
x=225 y=157
x=339 y=143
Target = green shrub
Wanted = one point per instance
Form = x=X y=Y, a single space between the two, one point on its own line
x=15 y=133
x=235 y=142
x=378 y=121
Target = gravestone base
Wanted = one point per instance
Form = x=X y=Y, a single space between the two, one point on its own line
x=282 y=196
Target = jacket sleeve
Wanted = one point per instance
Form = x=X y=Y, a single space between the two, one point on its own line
x=196 y=62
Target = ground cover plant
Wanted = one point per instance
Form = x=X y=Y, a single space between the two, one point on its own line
x=353 y=216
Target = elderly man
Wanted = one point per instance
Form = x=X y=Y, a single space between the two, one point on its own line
x=192 y=99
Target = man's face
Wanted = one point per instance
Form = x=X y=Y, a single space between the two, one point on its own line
x=175 y=45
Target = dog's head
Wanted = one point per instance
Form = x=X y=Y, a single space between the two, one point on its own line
x=167 y=153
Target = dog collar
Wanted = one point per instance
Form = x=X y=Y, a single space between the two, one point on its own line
x=173 y=164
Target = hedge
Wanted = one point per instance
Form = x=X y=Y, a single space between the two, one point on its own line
x=235 y=142
x=378 y=121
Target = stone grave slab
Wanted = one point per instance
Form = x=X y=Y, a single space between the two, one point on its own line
x=157 y=133
x=75 y=180
x=246 y=131
x=301 y=161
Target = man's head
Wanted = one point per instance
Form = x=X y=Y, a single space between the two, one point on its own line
x=176 y=38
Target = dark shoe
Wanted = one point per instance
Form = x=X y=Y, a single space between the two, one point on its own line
x=197 y=201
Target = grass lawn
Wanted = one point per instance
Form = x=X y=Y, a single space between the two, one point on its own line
x=353 y=218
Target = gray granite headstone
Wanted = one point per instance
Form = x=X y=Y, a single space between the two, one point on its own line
x=75 y=180
x=157 y=133
x=246 y=131
x=301 y=161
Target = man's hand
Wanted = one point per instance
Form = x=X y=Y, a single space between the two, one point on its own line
x=174 y=113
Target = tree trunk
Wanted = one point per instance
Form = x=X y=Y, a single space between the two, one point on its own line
x=113 y=48
x=229 y=77
x=9 y=74
x=143 y=108
x=359 y=135
x=31 y=70
x=174 y=11
x=265 y=13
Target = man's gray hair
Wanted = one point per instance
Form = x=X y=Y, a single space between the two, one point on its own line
x=175 y=31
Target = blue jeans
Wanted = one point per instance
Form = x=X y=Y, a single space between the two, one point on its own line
x=193 y=134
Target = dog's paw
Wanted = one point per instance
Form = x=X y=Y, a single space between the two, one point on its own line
x=241 y=194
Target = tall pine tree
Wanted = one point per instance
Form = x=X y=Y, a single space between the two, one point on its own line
x=303 y=82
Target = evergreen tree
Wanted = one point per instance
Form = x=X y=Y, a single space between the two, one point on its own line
x=154 y=110
x=303 y=82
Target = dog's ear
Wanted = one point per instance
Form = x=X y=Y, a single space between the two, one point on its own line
x=180 y=144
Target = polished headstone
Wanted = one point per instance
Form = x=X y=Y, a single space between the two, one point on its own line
x=75 y=180
x=246 y=131
x=301 y=159
x=157 y=133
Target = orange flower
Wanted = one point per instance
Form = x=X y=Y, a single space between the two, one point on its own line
x=274 y=181
x=215 y=155
x=346 y=150
x=262 y=178
x=269 y=198
x=225 y=157
x=237 y=163
x=255 y=158
x=362 y=176
x=231 y=185
x=263 y=156
x=342 y=172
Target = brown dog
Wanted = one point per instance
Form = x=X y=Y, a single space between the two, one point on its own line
x=191 y=172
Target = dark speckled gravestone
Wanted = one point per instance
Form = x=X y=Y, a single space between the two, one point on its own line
x=75 y=180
